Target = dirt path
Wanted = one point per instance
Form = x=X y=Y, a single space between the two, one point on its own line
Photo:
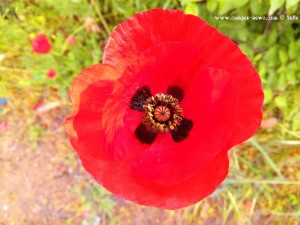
x=36 y=184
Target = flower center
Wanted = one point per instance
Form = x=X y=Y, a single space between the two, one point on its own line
x=162 y=112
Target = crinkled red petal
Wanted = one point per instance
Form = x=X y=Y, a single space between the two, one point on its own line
x=116 y=177
x=145 y=30
x=90 y=90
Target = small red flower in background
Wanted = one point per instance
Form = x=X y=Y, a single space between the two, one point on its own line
x=295 y=152
x=154 y=122
x=51 y=73
x=71 y=40
x=53 y=89
x=38 y=106
x=4 y=126
x=41 y=44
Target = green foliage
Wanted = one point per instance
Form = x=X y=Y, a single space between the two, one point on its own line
x=275 y=5
x=97 y=202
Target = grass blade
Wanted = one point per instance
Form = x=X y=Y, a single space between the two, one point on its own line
x=267 y=157
x=249 y=181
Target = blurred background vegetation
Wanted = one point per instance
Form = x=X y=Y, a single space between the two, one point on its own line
x=264 y=182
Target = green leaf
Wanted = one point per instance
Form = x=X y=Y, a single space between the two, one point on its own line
x=260 y=42
x=246 y=50
x=271 y=77
x=226 y=5
x=296 y=124
x=192 y=8
x=243 y=34
x=281 y=82
x=288 y=34
x=283 y=56
x=272 y=37
x=240 y=3
x=281 y=102
x=293 y=66
x=255 y=7
x=184 y=2
x=268 y=95
x=291 y=78
x=262 y=69
x=212 y=5
x=271 y=55
x=281 y=69
x=291 y=6
x=275 y=4
x=257 y=57
x=292 y=50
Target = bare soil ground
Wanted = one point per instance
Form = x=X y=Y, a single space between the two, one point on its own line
x=35 y=182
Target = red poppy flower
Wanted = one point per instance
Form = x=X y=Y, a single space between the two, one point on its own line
x=41 y=44
x=154 y=122
x=51 y=73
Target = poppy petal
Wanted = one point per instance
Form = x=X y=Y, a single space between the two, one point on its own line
x=149 y=28
x=158 y=26
x=161 y=67
x=116 y=177
x=93 y=85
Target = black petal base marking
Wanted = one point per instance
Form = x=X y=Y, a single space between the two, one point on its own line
x=181 y=132
x=145 y=134
x=176 y=92
x=139 y=98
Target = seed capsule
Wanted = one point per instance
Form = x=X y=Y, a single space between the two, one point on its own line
x=162 y=113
